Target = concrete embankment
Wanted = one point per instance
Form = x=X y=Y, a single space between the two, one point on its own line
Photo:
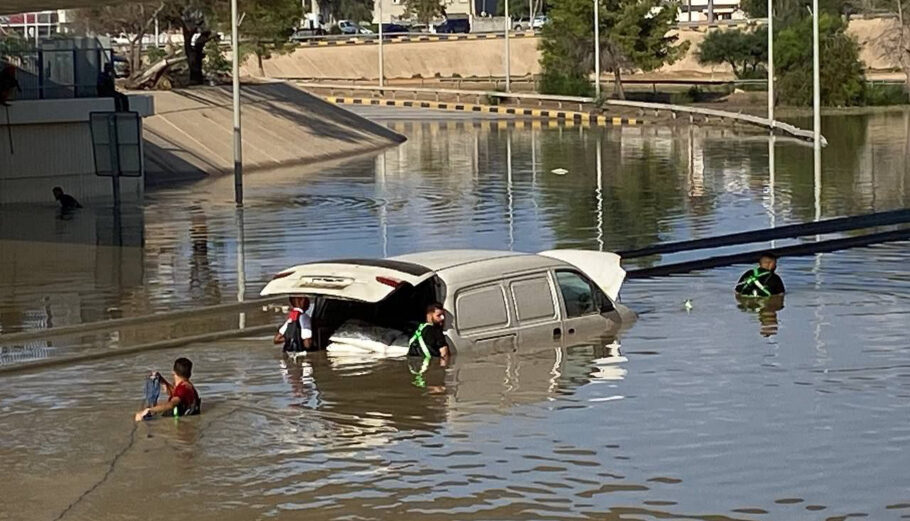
x=190 y=135
x=485 y=58
x=465 y=58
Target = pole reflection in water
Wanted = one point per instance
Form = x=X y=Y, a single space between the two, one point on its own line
x=241 y=265
x=383 y=204
x=771 y=183
x=600 y=195
x=511 y=207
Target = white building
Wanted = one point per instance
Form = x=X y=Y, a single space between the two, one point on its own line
x=394 y=11
x=37 y=25
x=700 y=10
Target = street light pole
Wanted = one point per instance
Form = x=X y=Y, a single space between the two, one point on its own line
x=235 y=88
x=816 y=83
x=816 y=113
x=597 y=49
x=508 y=51
x=381 y=60
x=771 y=63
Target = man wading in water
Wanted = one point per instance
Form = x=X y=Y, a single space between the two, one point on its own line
x=761 y=281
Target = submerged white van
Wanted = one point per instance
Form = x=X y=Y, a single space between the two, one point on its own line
x=495 y=301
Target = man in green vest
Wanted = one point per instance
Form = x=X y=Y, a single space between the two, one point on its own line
x=761 y=281
x=429 y=341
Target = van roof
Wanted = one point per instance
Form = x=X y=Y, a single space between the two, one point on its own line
x=438 y=260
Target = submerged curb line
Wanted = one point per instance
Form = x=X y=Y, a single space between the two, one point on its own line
x=103 y=354
x=373 y=40
x=568 y=117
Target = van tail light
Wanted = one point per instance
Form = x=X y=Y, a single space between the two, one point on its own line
x=388 y=281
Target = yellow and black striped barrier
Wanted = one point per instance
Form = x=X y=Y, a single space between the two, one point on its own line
x=417 y=38
x=555 y=116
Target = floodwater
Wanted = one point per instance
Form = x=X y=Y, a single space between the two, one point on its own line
x=716 y=412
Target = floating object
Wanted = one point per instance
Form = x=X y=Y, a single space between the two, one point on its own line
x=559 y=171
x=688 y=304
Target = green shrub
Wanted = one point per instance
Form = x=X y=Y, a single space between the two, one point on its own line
x=214 y=63
x=841 y=71
x=155 y=54
x=882 y=94
x=555 y=83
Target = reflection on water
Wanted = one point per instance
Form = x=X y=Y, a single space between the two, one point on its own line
x=718 y=410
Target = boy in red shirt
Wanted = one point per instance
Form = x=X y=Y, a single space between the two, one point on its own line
x=183 y=399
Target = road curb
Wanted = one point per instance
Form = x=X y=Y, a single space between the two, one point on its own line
x=568 y=117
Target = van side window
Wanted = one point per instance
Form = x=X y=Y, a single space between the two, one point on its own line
x=481 y=308
x=581 y=296
x=533 y=299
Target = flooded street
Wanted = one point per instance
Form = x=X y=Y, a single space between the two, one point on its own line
x=714 y=412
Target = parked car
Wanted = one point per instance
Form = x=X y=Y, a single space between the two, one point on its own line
x=349 y=27
x=454 y=25
x=495 y=301
x=539 y=21
x=389 y=28
x=521 y=24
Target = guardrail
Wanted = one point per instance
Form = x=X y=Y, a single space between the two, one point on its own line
x=675 y=110
x=373 y=39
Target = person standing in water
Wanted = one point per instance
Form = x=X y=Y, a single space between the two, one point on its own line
x=183 y=400
x=761 y=281
x=67 y=202
x=428 y=340
x=296 y=334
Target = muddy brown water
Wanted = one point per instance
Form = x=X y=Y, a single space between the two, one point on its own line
x=717 y=412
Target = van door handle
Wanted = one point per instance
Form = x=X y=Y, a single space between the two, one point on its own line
x=557 y=333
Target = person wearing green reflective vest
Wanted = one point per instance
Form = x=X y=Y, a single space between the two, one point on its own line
x=428 y=340
x=761 y=281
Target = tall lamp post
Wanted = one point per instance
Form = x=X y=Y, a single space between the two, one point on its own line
x=381 y=60
x=235 y=91
x=508 y=51
x=771 y=63
x=597 y=49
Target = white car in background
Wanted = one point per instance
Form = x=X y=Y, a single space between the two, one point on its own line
x=539 y=21
x=495 y=301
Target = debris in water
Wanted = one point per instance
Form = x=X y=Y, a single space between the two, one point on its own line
x=688 y=304
x=559 y=171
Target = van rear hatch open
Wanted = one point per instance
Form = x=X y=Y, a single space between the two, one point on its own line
x=364 y=280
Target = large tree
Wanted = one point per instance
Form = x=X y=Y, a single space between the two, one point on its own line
x=195 y=19
x=356 y=10
x=634 y=34
x=745 y=51
x=265 y=27
x=840 y=71
x=135 y=21
x=424 y=10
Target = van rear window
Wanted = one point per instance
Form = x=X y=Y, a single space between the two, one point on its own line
x=481 y=308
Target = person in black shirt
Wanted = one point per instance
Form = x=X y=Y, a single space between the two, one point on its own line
x=761 y=281
x=429 y=341
x=67 y=202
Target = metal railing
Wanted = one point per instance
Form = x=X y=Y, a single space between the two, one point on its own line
x=581 y=101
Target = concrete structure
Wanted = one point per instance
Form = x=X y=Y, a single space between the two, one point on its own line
x=36 y=25
x=47 y=143
x=394 y=10
x=189 y=137
x=466 y=58
x=701 y=10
